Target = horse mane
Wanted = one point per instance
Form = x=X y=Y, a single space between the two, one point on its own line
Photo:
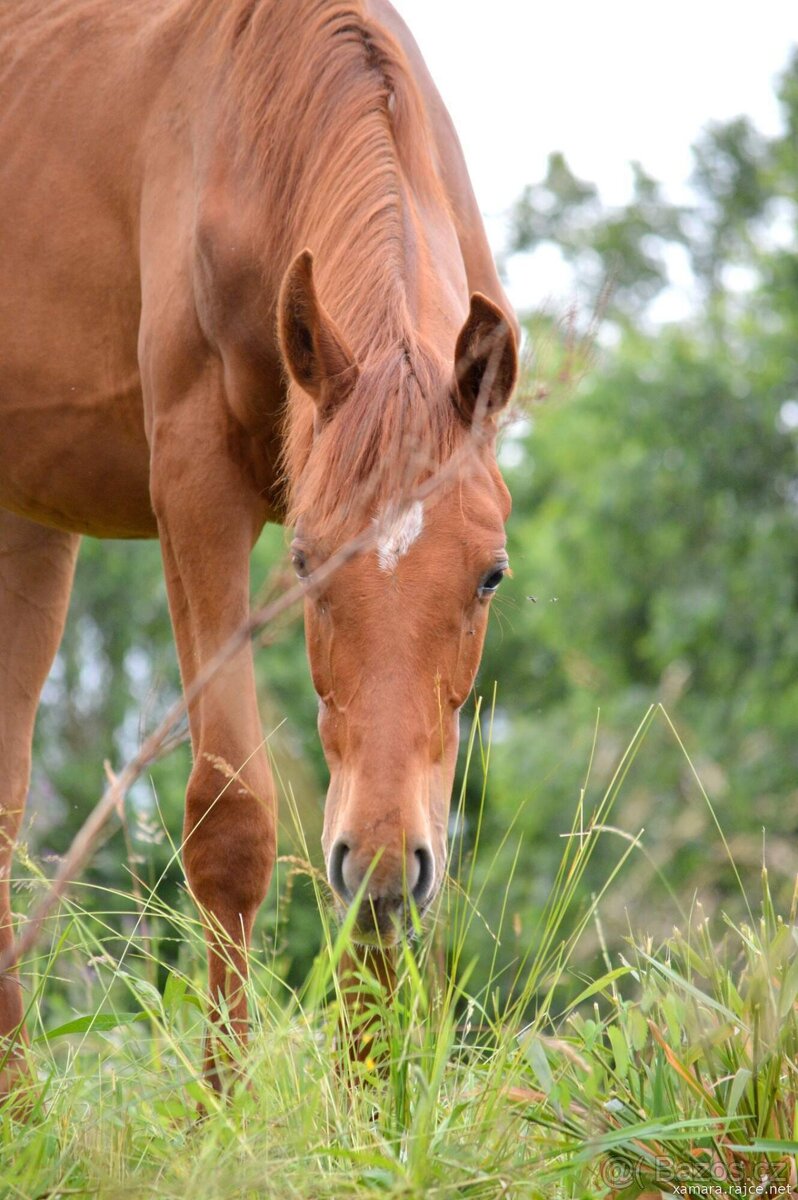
x=331 y=129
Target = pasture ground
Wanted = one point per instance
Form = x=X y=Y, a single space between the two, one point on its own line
x=672 y=1071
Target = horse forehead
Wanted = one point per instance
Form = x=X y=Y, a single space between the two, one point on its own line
x=471 y=506
x=398 y=531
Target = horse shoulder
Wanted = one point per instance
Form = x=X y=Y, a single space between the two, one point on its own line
x=212 y=385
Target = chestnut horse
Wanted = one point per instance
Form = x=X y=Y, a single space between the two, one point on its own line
x=175 y=363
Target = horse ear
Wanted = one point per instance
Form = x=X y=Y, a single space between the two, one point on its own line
x=485 y=361
x=313 y=349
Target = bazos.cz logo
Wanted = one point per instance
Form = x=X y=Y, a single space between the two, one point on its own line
x=697 y=1178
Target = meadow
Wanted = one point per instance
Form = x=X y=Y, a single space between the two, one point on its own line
x=670 y=1069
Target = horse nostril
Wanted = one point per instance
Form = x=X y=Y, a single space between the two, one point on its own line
x=426 y=871
x=335 y=871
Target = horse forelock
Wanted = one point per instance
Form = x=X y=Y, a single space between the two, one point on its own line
x=397 y=428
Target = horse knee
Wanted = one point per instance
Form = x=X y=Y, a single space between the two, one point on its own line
x=229 y=848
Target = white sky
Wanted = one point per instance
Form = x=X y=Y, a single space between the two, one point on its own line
x=605 y=83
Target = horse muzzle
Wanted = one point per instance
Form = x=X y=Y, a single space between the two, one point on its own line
x=394 y=885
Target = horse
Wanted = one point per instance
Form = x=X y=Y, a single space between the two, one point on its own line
x=244 y=279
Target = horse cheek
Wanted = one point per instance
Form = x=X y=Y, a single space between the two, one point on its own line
x=472 y=641
x=318 y=639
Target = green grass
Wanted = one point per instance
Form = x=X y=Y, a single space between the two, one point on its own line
x=674 y=1066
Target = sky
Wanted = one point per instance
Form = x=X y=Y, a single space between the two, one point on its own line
x=604 y=83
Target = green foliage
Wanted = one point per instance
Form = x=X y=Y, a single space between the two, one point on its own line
x=626 y=247
x=654 y=540
x=677 y=1066
x=110 y=1106
x=684 y=1074
x=744 y=192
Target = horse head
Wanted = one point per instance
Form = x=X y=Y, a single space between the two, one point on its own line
x=395 y=635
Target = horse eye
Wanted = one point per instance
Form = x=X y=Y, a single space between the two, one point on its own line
x=491 y=581
x=300 y=562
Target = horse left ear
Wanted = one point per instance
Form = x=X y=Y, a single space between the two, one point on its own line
x=485 y=361
x=313 y=349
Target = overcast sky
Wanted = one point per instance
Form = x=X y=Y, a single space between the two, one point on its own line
x=605 y=83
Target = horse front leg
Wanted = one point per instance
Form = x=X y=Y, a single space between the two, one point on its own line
x=36 y=569
x=208 y=519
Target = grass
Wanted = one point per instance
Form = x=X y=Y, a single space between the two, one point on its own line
x=674 y=1068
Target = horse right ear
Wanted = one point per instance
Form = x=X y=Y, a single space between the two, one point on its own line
x=313 y=349
x=485 y=361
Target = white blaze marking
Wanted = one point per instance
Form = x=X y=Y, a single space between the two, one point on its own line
x=397 y=534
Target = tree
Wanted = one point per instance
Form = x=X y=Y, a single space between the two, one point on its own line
x=656 y=524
